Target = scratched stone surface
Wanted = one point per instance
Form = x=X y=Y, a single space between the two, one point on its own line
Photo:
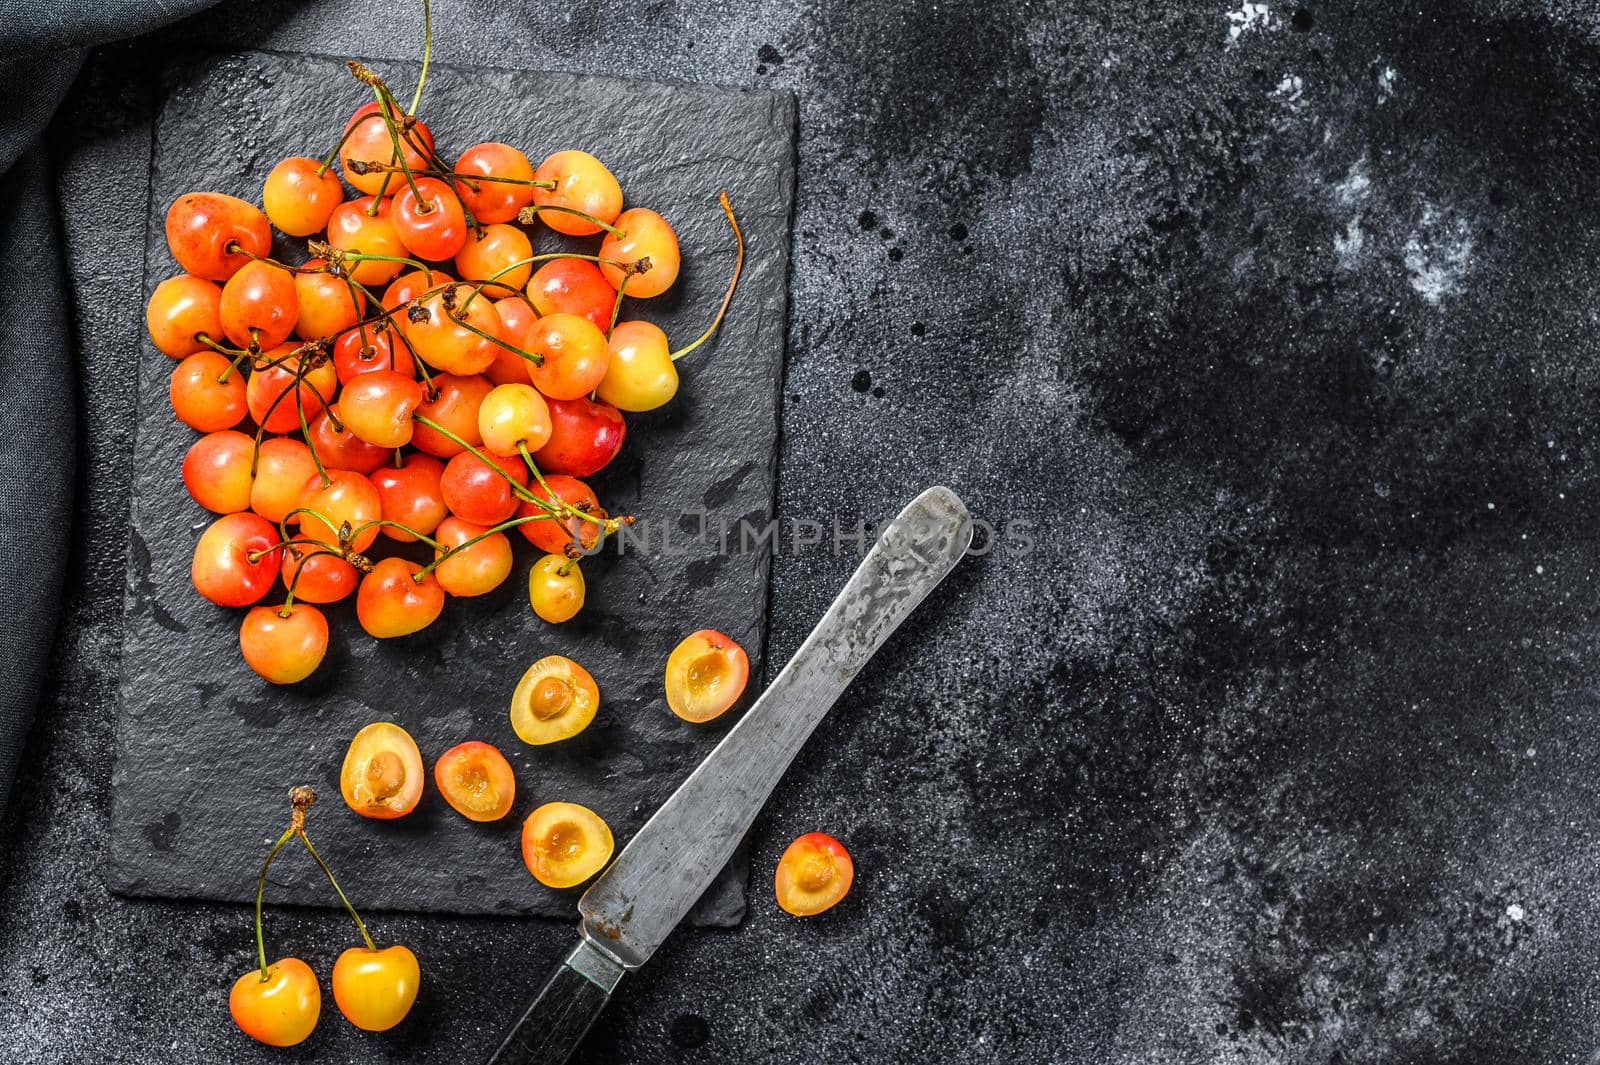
x=1275 y=319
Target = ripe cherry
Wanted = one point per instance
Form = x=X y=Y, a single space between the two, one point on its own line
x=553 y=535
x=202 y=401
x=392 y=602
x=410 y=495
x=499 y=253
x=341 y=449
x=495 y=201
x=555 y=700
x=180 y=309
x=641 y=375
x=201 y=227
x=298 y=199
x=357 y=352
x=328 y=305
x=279 y=1008
x=646 y=235
x=575 y=356
x=475 y=570
x=274 y=397
x=473 y=490
x=516 y=322
x=555 y=588
x=582 y=183
x=259 y=305
x=345 y=497
x=706 y=673
x=316 y=576
x=284 y=645
x=369 y=141
x=455 y=347
x=413 y=283
x=282 y=467
x=236 y=560
x=429 y=219
x=564 y=844
x=476 y=780
x=573 y=286
x=513 y=417
x=584 y=437
x=382 y=776
x=453 y=404
x=351 y=229
x=375 y=989
x=814 y=873
x=377 y=407
x=216 y=471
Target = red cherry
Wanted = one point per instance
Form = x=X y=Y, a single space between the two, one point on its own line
x=356 y=353
x=298 y=199
x=410 y=495
x=494 y=201
x=351 y=229
x=274 y=398
x=453 y=404
x=377 y=407
x=328 y=305
x=233 y=565
x=444 y=342
x=341 y=448
x=552 y=535
x=517 y=319
x=180 y=309
x=573 y=286
x=392 y=602
x=430 y=220
x=202 y=225
x=199 y=400
x=408 y=286
x=259 y=306
x=346 y=497
x=584 y=437
x=216 y=471
x=317 y=577
x=476 y=493
x=370 y=141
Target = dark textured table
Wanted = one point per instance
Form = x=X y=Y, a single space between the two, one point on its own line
x=1278 y=323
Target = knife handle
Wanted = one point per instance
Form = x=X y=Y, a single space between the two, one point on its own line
x=551 y=1026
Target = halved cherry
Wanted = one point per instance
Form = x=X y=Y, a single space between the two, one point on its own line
x=393 y=602
x=382 y=774
x=284 y=649
x=564 y=844
x=476 y=780
x=706 y=674
x=555 y=700
x=814 y=873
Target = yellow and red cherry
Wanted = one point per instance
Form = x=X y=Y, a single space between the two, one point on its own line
x=553 y=535
x=475 y=570
x=299 y=195
x=645 y=235
x=341 y=449
x=572 y=286
x=517 y=319
x=453 y=404
x=283 y=466
x=352 y=229
x=280 y=1010
x=382 y=774
x=181 y=309
x=429 y=219
x=274 y=396
x=479 y=491
x=204 y=227
x=368 y=140
x=345 y=497
x=584 y=437
x=316 y=576
x=582 y=183
x=375 y=989
x=259 y=306
x=564 y=844
x=476 y=780
x=494 y=201
x=393 y=602
x=216 y=471
x=236 y=560
x=813 y=875
x=378 y=407
x=556 y=589
x=202 y=397
x=284 y=649
x=641 y=375
x=449 y=345
x=500 y=252
x=513 y=417
x=328 y=304
x=355 y=353
x=574 y=352
x=706 y=673
x=413 y=283
x=555 y=700
x=410 y=495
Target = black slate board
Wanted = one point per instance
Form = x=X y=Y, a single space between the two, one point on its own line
x=205 y=749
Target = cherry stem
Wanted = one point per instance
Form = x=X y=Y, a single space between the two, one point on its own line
x=336 y=888
x=533 y=357
x=528 y=214
x=738 y=267
x=392 y=524
x=447 y=552
x=261 y=891
x=294 y=541
x=384 y=96
x=616 y=308
x=427 y=56
x=519 y=490
x=466 y=179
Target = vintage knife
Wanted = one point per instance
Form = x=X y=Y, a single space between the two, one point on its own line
x=673 y=859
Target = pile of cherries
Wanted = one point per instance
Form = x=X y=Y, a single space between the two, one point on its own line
x=370 y=392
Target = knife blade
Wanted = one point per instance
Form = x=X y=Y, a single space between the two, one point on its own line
x=670 y=862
